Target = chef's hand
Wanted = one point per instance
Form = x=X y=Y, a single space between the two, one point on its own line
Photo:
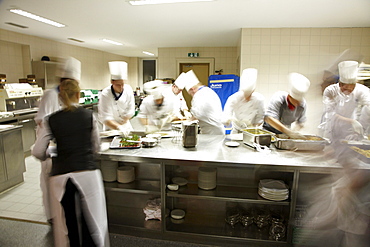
x=246 y=122
x=124 y=130
x=357 y=127
x=239 y=123
x=187 y=115
x=151 y=129
x=227 y=122
x=295 y=135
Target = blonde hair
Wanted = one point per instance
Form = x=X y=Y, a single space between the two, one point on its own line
x=67 y=93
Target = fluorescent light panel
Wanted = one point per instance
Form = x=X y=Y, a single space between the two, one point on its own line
x=146 y=2
x=148 y=53
x=112 y=42
x=36 y=17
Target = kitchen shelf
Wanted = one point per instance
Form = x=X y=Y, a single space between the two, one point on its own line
x=223 y=193
x=215 y=225
x=137 y=187
x=132 y=217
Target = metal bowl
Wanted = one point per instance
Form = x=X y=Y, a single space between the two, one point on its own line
x=148 y=142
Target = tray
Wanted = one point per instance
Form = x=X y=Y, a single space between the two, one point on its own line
x=115 y=144
x=257 y=136
x=314 y=143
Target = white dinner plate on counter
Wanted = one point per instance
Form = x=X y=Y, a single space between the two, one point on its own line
x=232 y=144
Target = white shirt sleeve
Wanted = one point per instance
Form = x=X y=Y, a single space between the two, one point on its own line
x=105 y=106
x=49 y=104
x=40 y=149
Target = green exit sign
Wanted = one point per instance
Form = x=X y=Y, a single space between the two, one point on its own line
x=193 y=54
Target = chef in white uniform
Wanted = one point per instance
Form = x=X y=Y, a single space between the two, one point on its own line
x=286 y=108
x=174 y=93
x=156 y=110
x=206 y=106
x=50 y=103
x=343 y=103
x=244 y=108
x=117 y=102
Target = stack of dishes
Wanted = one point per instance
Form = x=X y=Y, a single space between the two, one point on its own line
x=207 y=178
x=125 y=174
x=109 y=171
x=274 y=190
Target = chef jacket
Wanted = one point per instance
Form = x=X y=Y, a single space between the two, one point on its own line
x=178 y=101
x=349 y=106
x=278 y=108
x=112 y=109
x=49 y=103
x=156 y=114
x=206 y=107
x=238 y=108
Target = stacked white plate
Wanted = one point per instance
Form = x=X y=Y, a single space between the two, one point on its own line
x=125 y=174
x=274 y=190
x=207 y=178
x=109 y=171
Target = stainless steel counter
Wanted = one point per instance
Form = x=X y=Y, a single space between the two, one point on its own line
x=211 y=149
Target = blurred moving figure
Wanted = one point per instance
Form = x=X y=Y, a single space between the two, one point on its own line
x=76 y=184
x=343 y=103
x=206 y=106
x=50 y=103
x=331 y=74
x=117 y=101
x=174 y=93
x=156 y=110
x=244 y=108
x=338 y=212
x=286 y=108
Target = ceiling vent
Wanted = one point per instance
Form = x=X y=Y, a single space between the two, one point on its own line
x=15 y=25
x=77 y=40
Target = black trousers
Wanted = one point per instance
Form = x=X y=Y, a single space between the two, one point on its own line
x=69 y=205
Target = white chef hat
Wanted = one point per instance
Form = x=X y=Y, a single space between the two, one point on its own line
x=71 y=69
x=299 y=86
x=157 y=92
x=248 y=80
x=180 y=82
x=118 y=70
x=191 y=80
x=151 y=85
x=348 y=72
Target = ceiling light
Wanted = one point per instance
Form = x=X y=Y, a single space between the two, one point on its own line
x=36 y=17
x=112 y=42
x=145 y=2
x=148 y=53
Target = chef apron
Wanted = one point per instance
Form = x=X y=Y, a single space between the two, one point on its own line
x=90 y=204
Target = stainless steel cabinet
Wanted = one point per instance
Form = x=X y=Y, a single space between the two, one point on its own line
x=12 y=163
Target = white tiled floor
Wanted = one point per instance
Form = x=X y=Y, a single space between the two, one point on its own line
x=24 y=201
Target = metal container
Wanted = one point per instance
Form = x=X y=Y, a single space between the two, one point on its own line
x=257 y=136
x=189 y=134
x=313 y=143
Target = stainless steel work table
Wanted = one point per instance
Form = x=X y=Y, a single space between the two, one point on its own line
x=211 y=149
x=238 y=171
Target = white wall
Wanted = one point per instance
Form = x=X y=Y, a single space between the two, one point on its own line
x=94 y=64
x=225 y=58
x=275 y=52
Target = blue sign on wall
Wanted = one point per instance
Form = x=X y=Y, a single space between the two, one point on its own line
x=224 y=86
